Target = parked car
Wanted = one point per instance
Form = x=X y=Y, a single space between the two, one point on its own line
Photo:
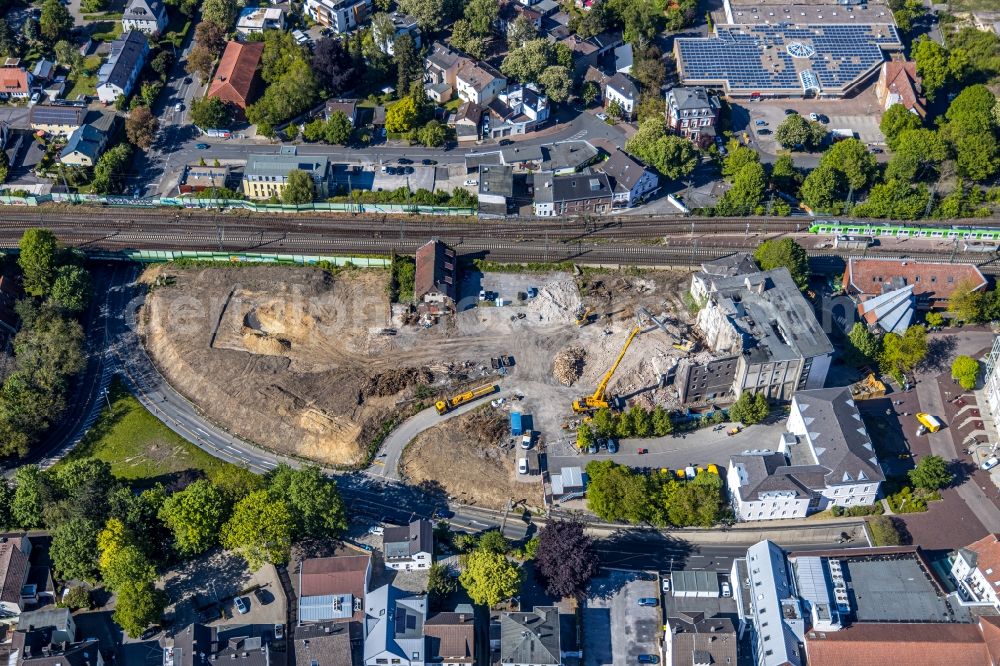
x=991 y=463
x=648 y=659
x=764 y=131
x=482 y=294
x=384 y=169
x=666 y=584
x=602 y=116
x=242 y=605
x=178 y=107
x=187 y=79
x=202 y=146
x=642 y=451
x=612 y=446
x=377 y=530
x=504 y=142
x=727 y=590
x=428 y=162
x=648 y=601
x=471 y=181
x=263 y=596
x=532 y=292
x=791 y=112
x=522 y=466
x=279 y=632
x=526 y=440
x=823 y=119
x=760 y=123
x=403 y=160
x=593 y=448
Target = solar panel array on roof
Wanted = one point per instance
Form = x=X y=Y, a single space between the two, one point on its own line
x=756 y=58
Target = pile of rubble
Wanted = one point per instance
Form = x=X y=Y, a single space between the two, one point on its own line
x=568 y=365
x=394 y=381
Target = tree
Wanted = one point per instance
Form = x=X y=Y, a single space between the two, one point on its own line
x=74 y=545
x=565 y=559
x=584 y=436
x=662 y=424
x=338 y=128
x=440 y=584
x=747 y=192
x=820 y=189
x=907 y=12
x=697 y=503
x=590 y=92
x=80 y=488
x=430 y=14
x=68 y=55
x=37 y=259
x=853 y=160
x=141 y=127
x=797 y=132
x=978 y=156
x=210 y=113
x=139 y=606
x=161 y=64
x=896 y=120
x=616 y=493
x=72 y=288
x=932 y=64
x=481 y=15
x=260 y=530
x=313 y=499
x=894 y=199
x=489 y=577
x=333 y=66
x=784 y=253
x=212 y=36
x=749 y=409
x=526 y=64
x=408 y=64
x=433 y=134
x=110 y=170
x=916 y=155
x=76 y=598
x=55 y=20
x=902 y=353
x=931 y=473
x=401 y=116
x=464 y=38
x=966 y=370
x=966 y=303
x=648 y=70
x=299 y=188
x=195 y=515
x=200 y=62
x=739 y=156
x=884 y=532
x=494 y=542
x=26 y=508
x=556 y=81
x=4 y=167
x=863 y=345
x=520 y=32
x=220 y=12
x=671 y=155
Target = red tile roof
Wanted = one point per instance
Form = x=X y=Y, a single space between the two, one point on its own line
x=13 y=80
x=435 y=270
x=899 y=77
x=910 y=644
x=933 y=282
x=335 y=575
x=13 y=569
x=234 y=78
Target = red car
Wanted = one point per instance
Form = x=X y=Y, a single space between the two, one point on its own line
x=641 y=451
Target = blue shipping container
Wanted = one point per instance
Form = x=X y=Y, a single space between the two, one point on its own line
x=515 y=423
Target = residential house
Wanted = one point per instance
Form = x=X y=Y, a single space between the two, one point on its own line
x=339 y=15
x=36 y=648
x=255 y=20
x=546 y=8
x=976 y=571
x=586 y=52
x=43 y=71
x=621 y=90
x=238 y=644
x=451 y=639
x=692 y=112
x=118 y=75
x=511 y=10
x=146 y=16
x=333 y=589
x=496 y=187
x=530 y=638
x=933 y=282
x=15 y=553
x=516 y=111
x=571 y=195
x=58 y=621
x=197 y=177
x=435 y=281
x=442 y=64
x=409 y=547
x=56 y=119
x=696 y=638
x=825 y=458
x=914 y=644
x=585 y=5
x=765 y=332
x=899 y=83
x=568 y=157
x=327 y=644
x=402 y=24
x=235 y=80
x=84 y=147
x=349 y=107
x=394 y=627
x=468 y=120
x=623 y=59
x=478 y=82
x=266 y=175
x=631 y=181
x=15 y=81
x=522 y=158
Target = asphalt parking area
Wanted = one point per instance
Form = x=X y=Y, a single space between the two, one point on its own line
x=616 y=629
x=422 y=178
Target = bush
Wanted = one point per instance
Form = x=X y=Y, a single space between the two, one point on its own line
x=750 y=409
x=77 y=597
x=884 y=531
x=907 y=500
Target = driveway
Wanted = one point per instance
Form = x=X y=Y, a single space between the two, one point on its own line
x=616 y=629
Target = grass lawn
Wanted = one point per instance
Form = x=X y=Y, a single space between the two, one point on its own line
x=83 y=84
x=453 y=104
x=140 y=448
x=972 y=5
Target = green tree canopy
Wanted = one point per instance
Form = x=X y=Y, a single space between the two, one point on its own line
x=556 y=82
x=55 y=20
x=210 y=113
x=931 y=473
x=895 y=120
x=916 y=155
x=526 y=64
x=749 y=408
x=852 y=159
x=863 y=346
x=786 y=253
x=797 y=132
x=139 y=606
x=195 y=515
x=26 y=508
x=489 y=577
x=74 y=549
x=72 y=288
x=747 y=192
x=902 y=353
x=932 y=64
x=671 y=155
x=967 y=303
x=966 y=370
x=401 y=116
x=433 y=134
x=260 y=530
x=313 y=499
x=299 y=188
x=821 y=189
x=37 y=259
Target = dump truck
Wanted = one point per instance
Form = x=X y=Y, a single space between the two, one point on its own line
x=445 y=406
x=868 y=388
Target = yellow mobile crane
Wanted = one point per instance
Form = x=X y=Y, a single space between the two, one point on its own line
x=445 y=406
x=599 y=400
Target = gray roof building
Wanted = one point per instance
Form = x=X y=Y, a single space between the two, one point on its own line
x=568 y=156
x=327 y=644
x=128 y=54
x=144 y=10
x=531 y=638
x=496 y=181
x=240 y=645
x=624 y=85
x=405 y=543
x=775 y=610
x=694 y=639
x=87 y=141
x=53 y=114
x=735 y=264
x=279 y=166
x=580 y=187
x=691 y=98
x=394 y=626
x=767 y=474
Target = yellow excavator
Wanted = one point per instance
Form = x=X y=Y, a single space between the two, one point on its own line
x=599 y=400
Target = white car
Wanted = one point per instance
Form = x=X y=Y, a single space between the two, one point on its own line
x=522 y=465
x=178 y=106
x=666 y=584
x=377 y=530
x=602 y=116
x=526 y=440
x=471 y=181
x=991 y=463
x=727 y=591
x=813 y=117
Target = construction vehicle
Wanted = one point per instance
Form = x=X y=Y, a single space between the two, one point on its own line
x=583 y=315
x=445 y=406
x=684 y=345
x=868 y=388
x=928 y=422
x=599 y=400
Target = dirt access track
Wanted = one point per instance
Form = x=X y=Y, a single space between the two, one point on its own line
x=300 y=360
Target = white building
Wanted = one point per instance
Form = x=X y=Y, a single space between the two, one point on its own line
x=339 y=15
x=479 y=83
x=517 y=110
x=991 y=386
x=622 y=90
x=409 y=547
x=118 y=75
x=146 y=16
x=631 y=180
x=394 y=628
x=976 y=570
x=825 y=459
x=402 y=24
x=255 y=20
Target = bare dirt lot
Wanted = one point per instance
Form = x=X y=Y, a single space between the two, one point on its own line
x=470 y=457
x=301 y=361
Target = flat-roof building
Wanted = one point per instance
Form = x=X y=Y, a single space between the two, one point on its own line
x=267 y=175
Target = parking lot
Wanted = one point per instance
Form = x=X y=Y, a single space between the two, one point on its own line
x=422 y=178
x=616 y=629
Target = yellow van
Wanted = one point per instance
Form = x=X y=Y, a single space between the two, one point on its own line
x=930 y=422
